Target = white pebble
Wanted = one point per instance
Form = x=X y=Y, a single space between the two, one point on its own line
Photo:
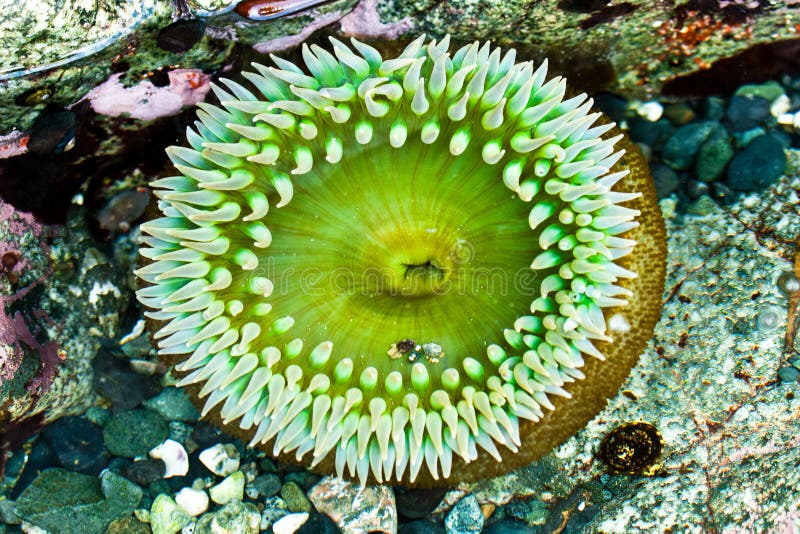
x=780 y=105
x=221 y=459
x=649 y=110
x=229 y=489
x=174 y=457
x=193 y=501
x=289 y=524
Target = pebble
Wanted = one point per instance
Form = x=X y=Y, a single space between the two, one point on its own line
x=465 y=517
x=173 y=405
x=193 y=501
x=274 y=509
x=98 y=416
x=665 y=179
x=289 y=524
x=417 y=503
x=746 y=112
x=166 y=517
x=134 y=433
x=221 y=459
x=757 y=166
x=145 y=472
x=768 y=91
x=318 y=524
x=174 y=457
x=788 y=374
x=267 y=485
x=231 y=488
x=354 y=508
x=295 y=498
x=78 y=444
x=679 y=113
x=696 y=189
x=652 y=134
x=713 y=156
x=681 y=147
x=713 y=108
x=235 y=517
x=116 y=382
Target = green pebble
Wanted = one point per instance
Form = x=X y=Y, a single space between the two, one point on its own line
x=166 y=517
x=295 y=498
x=768 y=91
x=173 y=405
x=713 y=156
x=133 y=433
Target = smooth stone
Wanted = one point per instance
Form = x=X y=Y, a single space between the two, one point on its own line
x=417 y=503
x=166 y=517
x=289 y=524
x=267 y=485
x=653 y=134
x=768 y=90
x=295 y=497
x=134 y=433
x=318 y=524
x=788 y=374
x=173 y=404
x=78 y=444
x=679 y=113
x=61 y=501
x=713 y=156
x=116 y=382
x=145 y=472
x=206 y=435
x=221 y=459
x=193 y=501
x=760 y=164
x=465 y=517
x=174 y=457
x=713 y=108
x=98 y=416
x=355 y=508
x=231 y=488
x=682 y=146
x=696 y=189
x=745 y=112
x=665 y=179
x=235 y=517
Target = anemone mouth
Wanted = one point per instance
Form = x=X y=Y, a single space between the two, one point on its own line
x=393 y=263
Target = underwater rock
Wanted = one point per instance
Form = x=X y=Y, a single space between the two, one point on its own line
x=61 y=501
x=631 y=47
x=757 y=166
x=46 y=351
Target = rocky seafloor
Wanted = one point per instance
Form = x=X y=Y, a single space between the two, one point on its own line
x=106 y=443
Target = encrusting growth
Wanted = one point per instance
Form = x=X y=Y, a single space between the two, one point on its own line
x=403 y=270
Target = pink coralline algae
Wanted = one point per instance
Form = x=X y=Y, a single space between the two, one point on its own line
x=18 y=331
x=145 y=101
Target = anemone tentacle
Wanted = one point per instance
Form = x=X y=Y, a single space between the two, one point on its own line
x=211 y=281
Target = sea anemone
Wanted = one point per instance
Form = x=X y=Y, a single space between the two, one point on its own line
x=375 y=265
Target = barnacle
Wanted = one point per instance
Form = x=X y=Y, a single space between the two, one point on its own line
x=405 y=269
